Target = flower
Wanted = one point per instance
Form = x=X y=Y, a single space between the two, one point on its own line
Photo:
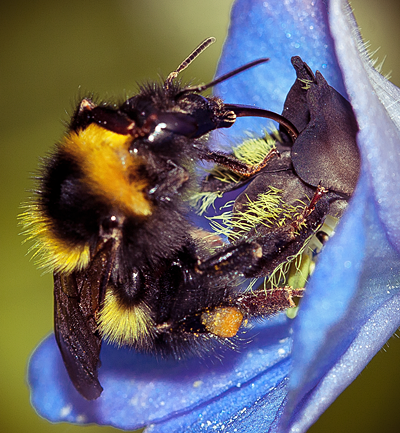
x=290 y=371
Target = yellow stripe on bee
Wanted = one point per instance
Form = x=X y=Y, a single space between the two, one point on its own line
x=53 y=254
x=124 y=325
x=109 y=168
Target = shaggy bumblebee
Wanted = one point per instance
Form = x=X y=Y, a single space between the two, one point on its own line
x=110 y=219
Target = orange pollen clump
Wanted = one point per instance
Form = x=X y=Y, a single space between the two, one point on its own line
x=222 y=321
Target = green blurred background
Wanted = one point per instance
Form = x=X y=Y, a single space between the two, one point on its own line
x=52 y=52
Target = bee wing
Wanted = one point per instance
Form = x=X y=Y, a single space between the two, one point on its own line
x=77 y=297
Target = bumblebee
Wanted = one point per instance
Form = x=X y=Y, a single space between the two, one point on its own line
x=111 y=220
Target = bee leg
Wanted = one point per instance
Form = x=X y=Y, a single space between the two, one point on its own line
x=262 y=302
x=224 y=321
x=237 y=166
x=220 y=310
x=318 y=194
x=235 y=258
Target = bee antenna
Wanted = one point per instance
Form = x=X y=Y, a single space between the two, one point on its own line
x=199 y=89
x=189 y=59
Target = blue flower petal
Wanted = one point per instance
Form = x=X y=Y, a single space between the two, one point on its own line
x=323 y=348
x=369 y=341
x=334 y=323
x=253 y=406
x=379 y=137
x=140 y=389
